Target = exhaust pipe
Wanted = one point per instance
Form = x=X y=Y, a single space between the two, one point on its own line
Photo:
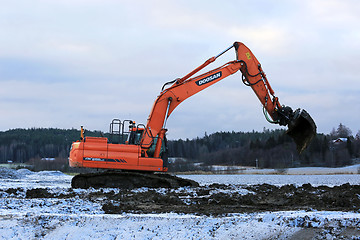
x=302 y=128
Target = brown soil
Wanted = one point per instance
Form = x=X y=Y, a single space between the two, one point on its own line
x=221 y=199
x=218 y=199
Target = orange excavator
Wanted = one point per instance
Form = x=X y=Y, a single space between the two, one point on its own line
x=140 y=151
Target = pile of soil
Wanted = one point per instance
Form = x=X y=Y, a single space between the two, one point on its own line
x=218 y=199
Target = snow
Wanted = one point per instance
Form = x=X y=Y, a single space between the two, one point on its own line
x=76 y=218
x=167 y=226
x=277 y=180
x=25 y=178
x=277 y=225
x=353 y=169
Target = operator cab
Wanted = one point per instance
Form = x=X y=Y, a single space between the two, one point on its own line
x=125 y=132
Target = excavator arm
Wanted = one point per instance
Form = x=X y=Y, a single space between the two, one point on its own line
x=142 y=152
x=301 y=126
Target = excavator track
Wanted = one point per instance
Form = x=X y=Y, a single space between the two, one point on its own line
x=129 y=180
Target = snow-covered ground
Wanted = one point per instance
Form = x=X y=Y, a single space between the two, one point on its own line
x=24 y=178
x=278 y=225
x=353 y=169
x=278 y=180
x=78 y=218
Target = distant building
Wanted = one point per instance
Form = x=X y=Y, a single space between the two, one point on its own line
x=339 y=140
x=48 y=159
x=177 y=159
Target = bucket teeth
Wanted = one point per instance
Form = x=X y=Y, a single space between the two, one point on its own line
x=302 y=129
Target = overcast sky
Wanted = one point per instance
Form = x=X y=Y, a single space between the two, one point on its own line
x=69 y=63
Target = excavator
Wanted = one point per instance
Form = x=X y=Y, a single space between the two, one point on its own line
x=136 y=155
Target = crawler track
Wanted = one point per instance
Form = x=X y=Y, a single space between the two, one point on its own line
x=129 y=180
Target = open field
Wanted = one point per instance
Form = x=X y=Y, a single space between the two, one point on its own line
x=353 y=169
x=43 y=206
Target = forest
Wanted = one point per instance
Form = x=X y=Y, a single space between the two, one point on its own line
x=266 y=149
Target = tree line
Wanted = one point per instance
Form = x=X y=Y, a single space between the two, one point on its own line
x=266 y=149
x=36 y=146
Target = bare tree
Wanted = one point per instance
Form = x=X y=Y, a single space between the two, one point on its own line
x=343 y=131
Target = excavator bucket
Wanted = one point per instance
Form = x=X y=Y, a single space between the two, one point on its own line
x=302 y=129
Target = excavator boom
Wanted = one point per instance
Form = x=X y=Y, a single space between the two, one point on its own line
x=301 y=126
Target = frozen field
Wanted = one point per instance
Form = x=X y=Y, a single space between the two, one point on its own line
x=43 y=206
x=278 y=180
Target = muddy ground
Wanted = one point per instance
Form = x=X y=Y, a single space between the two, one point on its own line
x=215 y=199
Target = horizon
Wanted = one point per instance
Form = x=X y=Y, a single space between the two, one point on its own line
x=202 y=136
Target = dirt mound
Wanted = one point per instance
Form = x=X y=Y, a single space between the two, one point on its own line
x=215 y=199
x=39 y=193
x=220 y=199
x=9 y=173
